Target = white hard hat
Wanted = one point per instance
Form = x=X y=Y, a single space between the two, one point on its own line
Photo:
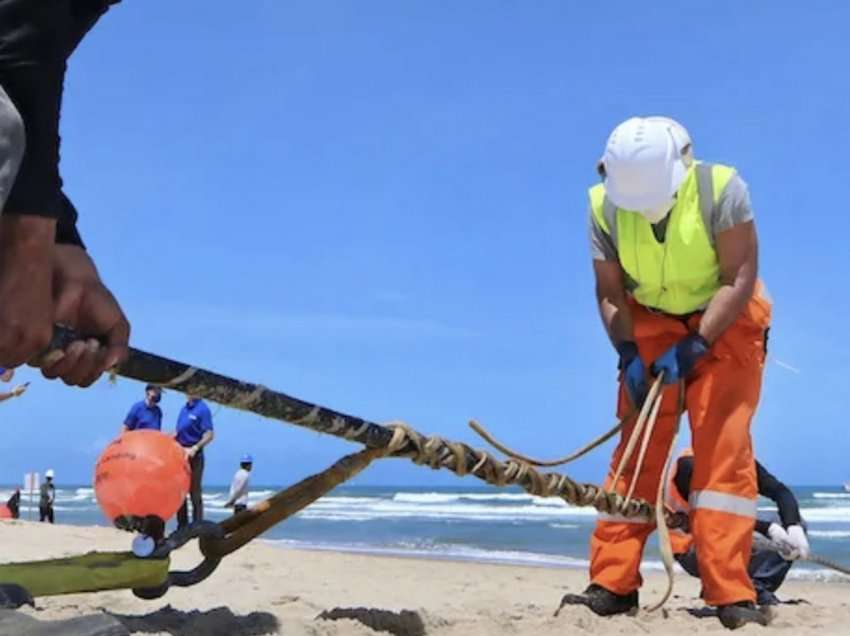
x=646 y=160
x=48 y=473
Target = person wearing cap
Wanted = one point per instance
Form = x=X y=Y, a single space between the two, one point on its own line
x=6 y=375
x=47 y=495
x=194 y=433
x=146 y=413
x=238 y=497
x=674 y=251
x=767 y=568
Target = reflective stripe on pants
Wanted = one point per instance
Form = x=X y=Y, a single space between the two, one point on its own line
x=722 y=502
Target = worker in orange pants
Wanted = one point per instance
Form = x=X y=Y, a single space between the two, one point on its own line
x=675 y=260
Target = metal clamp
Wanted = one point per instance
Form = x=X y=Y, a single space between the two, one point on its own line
x=180 y=578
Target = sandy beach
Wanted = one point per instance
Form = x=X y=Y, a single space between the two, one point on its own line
x=268 y=590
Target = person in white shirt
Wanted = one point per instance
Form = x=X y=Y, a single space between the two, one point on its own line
x=239 y=486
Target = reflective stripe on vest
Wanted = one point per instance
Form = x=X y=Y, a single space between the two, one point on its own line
x=722 y=502
x=681 y=274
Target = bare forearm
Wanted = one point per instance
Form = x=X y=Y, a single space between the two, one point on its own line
x=616 y=317
x=206 y=438
x=6 y=396
x=724 y=308
x=611 y=299
x=737 y=255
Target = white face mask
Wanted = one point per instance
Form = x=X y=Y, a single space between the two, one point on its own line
x=657 y=214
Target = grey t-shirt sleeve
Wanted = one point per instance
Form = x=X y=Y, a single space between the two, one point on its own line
x=601 y=246
x=733 y=206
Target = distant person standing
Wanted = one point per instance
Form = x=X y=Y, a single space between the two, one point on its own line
x=48 y=496
x=14 y=504
x=145 y=414
x=239 y=486
x=6 y=375
x=194 y=432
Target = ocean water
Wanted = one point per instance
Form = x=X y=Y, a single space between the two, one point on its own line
x=472 y=523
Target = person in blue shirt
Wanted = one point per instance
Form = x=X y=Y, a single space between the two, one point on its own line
x=194 y=432
x=145 y=414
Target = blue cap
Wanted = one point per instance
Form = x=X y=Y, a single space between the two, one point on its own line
x=246 y=459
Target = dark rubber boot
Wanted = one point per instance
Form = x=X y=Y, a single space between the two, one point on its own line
x=603 y=602
x=739 y=614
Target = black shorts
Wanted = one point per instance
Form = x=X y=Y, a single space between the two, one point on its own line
x=36 y=39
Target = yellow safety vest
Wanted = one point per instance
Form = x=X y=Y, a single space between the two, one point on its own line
x=681 y=274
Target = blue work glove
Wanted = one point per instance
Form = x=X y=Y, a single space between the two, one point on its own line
x=679 y=360
x=634 y=373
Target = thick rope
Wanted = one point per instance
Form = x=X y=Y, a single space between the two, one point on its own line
x=430 y=451
x=246 y=526
x=437 y=452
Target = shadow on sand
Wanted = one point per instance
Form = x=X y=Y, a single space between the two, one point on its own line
x=215 y=622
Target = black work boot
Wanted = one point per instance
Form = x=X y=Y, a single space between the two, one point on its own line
x=602 y=602
x=739 y=614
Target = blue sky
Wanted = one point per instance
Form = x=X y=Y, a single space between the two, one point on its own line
x=381 y=207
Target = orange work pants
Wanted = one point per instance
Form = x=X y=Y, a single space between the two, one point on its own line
x=721 y=396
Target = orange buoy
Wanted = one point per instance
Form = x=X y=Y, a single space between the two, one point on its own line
x=141 y=474
x=5 y=513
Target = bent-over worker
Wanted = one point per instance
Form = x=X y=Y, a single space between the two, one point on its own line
x=675 y=261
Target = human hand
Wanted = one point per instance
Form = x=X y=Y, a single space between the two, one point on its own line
x=26 y=284
x=191 y=451
x=83 y=302
x=19 y=390
x=778 y=534
x=679 y=360
x=634 y=373
x=799 y=541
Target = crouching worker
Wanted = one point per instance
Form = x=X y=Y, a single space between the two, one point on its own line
x=767 y=568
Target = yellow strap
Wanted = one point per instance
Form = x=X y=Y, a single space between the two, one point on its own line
x=92 y=572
